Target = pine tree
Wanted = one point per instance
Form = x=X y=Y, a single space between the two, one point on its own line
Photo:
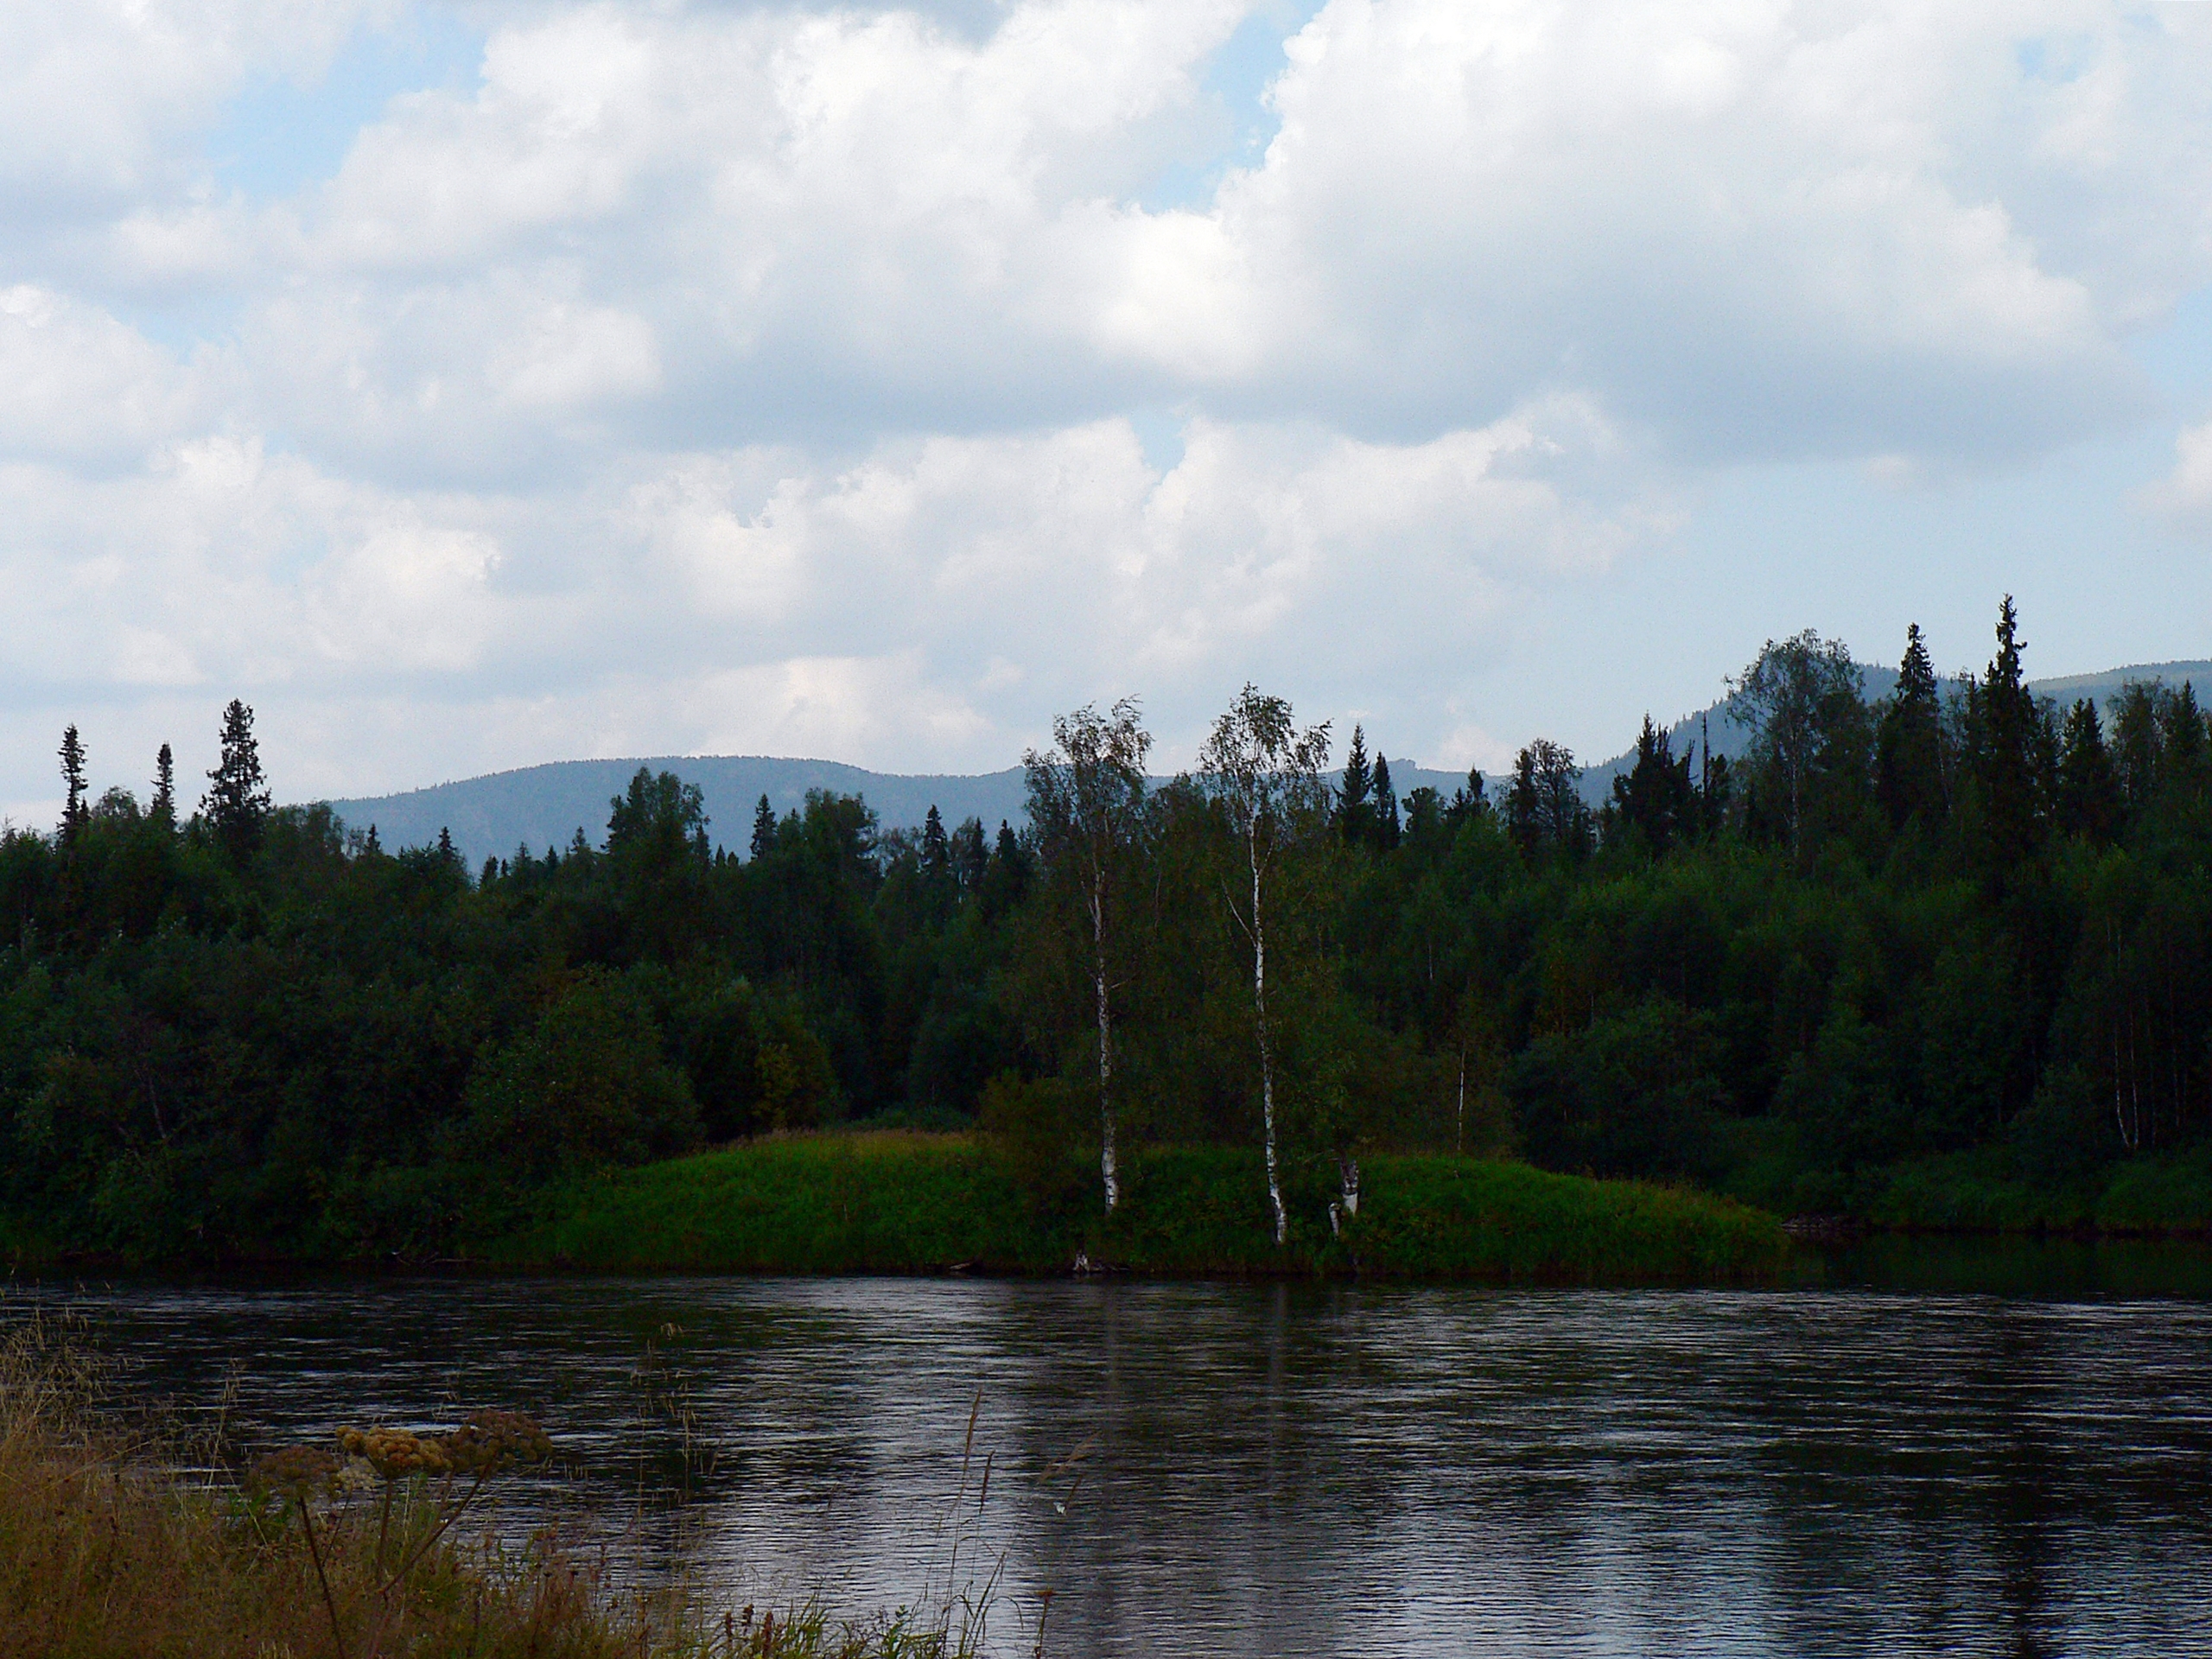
x=1387 y=827
x=1909 y=742
x=763 y=828
x=72 y=776
x=1355 y=813
x=447 y=854
x=164 y=808
x=371 y=844
x=237 y=802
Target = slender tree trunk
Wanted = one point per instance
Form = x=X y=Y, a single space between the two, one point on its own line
x=1106 y=1164
x=1460 y=1122
x=1267 y=1055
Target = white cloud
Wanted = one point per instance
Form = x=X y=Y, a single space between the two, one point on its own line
x=84 y=388
x=2183 y=498
x=696 y=374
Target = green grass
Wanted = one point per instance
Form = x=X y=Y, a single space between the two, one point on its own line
x=912 y=1203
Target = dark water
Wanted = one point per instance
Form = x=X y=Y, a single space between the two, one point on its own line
x=1221 y=1469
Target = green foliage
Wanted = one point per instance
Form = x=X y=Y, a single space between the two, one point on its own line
x=1907 y=954
x=903 y=1203
x=584 y=1085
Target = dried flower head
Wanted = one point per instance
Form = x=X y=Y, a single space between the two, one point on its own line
x=489 y=1442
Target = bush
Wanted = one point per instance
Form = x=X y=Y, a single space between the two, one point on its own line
x=1635 y=1093
x=585 y=1086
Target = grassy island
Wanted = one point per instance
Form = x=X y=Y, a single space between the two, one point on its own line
x=900 y=1202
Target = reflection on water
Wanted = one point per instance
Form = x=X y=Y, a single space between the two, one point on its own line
x=1229 y=1469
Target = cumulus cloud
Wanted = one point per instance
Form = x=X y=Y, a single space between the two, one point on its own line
x=762 y=375
x=2184 y=497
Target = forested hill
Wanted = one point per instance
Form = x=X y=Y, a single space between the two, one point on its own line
x=544 y=806
x=1732 y=738
x=1941 y=941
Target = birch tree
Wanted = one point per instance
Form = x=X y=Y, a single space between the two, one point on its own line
x=1087 y=804
x=1265 y=775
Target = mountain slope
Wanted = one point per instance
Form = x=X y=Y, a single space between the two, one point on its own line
x=546 y=806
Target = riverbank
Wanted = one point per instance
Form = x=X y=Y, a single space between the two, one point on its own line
x=905 y=1203
x=1991 y=1191
x=106 y=1552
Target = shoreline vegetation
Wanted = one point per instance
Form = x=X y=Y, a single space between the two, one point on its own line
x=905 y=1202
x=1938 y=959
x=118 y=1540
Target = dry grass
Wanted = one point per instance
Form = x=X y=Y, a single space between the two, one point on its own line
x=106 y=1550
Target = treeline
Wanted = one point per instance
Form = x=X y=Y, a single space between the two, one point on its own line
x=1944 y=921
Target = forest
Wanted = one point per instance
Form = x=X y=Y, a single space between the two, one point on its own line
x=1956 y=922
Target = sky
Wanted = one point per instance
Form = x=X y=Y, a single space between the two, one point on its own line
x=469 y=386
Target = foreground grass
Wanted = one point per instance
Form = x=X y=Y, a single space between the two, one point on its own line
x=912 y=1203
x=105 y=1551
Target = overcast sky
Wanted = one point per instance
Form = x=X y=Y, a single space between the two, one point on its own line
x=468 y=385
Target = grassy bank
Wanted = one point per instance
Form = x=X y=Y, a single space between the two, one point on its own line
x=911 y=1203
x=105 y=1551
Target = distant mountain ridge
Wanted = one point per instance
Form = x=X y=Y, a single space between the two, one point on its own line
x=543 y=806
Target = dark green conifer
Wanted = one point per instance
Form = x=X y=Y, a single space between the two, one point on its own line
x=72 y=778
x=1654 y=794
x=971 y=855
x=1469 y=801
x=1385 y=810
x=936 y=850
x=1355 y=811
x=164 y=807
x=2012 y=750
x=763 y=828
x=237 y=802
x=1908 y=741
x=2089 y=789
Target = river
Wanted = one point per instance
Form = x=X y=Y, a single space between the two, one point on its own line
x=1841 y=1467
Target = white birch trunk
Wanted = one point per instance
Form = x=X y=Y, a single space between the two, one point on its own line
x=1460 y=1122
x=1267 y=1056
x=1106 y=1165
x=1348 y=1174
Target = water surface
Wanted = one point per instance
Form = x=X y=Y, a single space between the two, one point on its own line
x=1266 y=1469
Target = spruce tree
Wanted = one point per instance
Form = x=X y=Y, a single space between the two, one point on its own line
x=164 y=807
x=72 y=778
x=1654 y=794
x=1909 y=742
x=936 y=850
x=1387 y=829
x=237 y=802
x=1355 y=814
x=763 y=828
x=971 y=855
x=2011 y=751
x=2088 y=789
x=1468 y=801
